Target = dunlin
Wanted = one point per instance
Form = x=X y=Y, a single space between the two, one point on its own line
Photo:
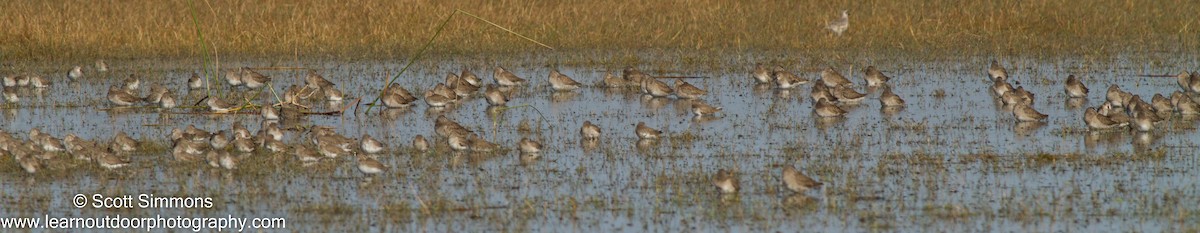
x=305 y=154
x=22 y=80
x=101 y=66
x=1096 y=121
x=890 y=99
x=529 y=146
x=1015 y=97
x=611 y=80
x=437 y=100
x=645 y=132
x=269 y=113
x=75 y=73
x=726 y=181
x=821 y=92
x=703 y=109
x=561 y=82
x=494 y=96
x=370 y=145
x=761 y=74
x=786 y=80
x=824 y=108
x=445 y=127
x=470 y=77
x=446 y=91
x=273 y=131
x=1000 y=87
x=874 y=77
x=195 y=82
x=108 y=160
x=226 y=160
x=219 y=140
x=254 y=80
x=1115 y=96
x=244 y=145
x=314 y=81
x=1116 y=115
x=234 y=77
x=997 y=72
x=405 y=96
x=188 y=150
x=239 y=131
x=505 y=78
x=333 y=94
x=1195 y=83
x=124 y=142
x=840 y=25
x=132 y=83
x=832 y=78
x=420 y=143
x=589 y=131
x=481 y=145
x=275 y=146
x=656 y=88
x=119 y=97
x=1075 y=88
x=28 y=163
x=687 y=90
x=798 y=182
x=332 y=146
x=370 y=166
x=156 y=94
x=462 y=88
x=1186 y=105
x=10 y=81
x=167 y=102
x=215 y=104
x=1162 y=106
x=1025 y=112
x=845 y=94
x=1143 y=121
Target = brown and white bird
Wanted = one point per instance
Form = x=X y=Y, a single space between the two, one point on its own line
x=787 y=80
x=528 y=146
x=118 y=96
x=645 y=132
x=997 y=72
x=506 y=78
x=254 y=80
x=1075 y=88
x=420 y=144
x=798 y=182
x=611 y=80
x=824 y=108
x=494 y=96
x=687 y=90
x=1025 y=112
x=561 y=82
x=700 y=108
x=726 y=181
x=589 y=130
x=832 y=78
x=845 y=94
x=370 y=145
x=874 y=77
x=761 y=74
x=890 y=99
x=656 y=88
x=1095 y=121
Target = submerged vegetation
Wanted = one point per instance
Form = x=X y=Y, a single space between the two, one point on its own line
x=57 y=30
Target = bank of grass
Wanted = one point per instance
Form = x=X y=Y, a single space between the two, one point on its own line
x=85 y=30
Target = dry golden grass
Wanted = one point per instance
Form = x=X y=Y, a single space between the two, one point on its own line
x=34 y=29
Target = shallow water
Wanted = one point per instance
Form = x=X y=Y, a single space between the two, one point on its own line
x=958 y=162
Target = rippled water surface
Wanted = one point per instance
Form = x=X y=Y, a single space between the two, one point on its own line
x=956 y=161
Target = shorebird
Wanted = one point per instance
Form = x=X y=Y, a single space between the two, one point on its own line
x=420 y=144
x=506 y=78
x=305 y=154
x=38 y=82
x=761 y=74
x=1185 y=80
x=528 y=146
x=1117 y=97
x=219 y=140
x=589 y=131
x=1025 y=112
x=798 y=182
x=1142 y=120
x=393 y=100
x=832 y=78
x=611 y=80
x=1075 y=88
x=890 y=99
x=106 y=159
x=1162 y=106
x=645 y=132
x=132 y=83
x=786 y=80
x=874 y=77
x=436 y=100
x=561 y=82
x=1114 y=114
x=188 y=150
x=369 y=166
x=1194 y=85
x=634 y=76
x=824 y=108
x=478 y=144
x=726 y=181
x=997 y=72
x=845 y=94
x=702 y=109
x=1186 y=105
x=124 y=142
x=370 y=145
x=821 y=92
x=458 y=142
x=656 y=88
x=687 y=90
x=494 y=96
x=195 y=82
x=1096 y=121
x=333 y=94
x=314 y=81
x=840 y=25
x=219 y=106
x=120 y=97
x=10 y=95
x=234 y=77
x=253 y=79
x=470 y=77
x=75 y=73
x=269 y=113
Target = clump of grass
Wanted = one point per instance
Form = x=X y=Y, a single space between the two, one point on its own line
x=386 y=29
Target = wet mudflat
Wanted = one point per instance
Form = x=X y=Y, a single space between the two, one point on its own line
x=954 y=159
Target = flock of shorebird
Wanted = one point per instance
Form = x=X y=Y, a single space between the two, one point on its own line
x=226 y=147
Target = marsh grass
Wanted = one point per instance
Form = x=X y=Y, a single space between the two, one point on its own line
x=601 y=31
